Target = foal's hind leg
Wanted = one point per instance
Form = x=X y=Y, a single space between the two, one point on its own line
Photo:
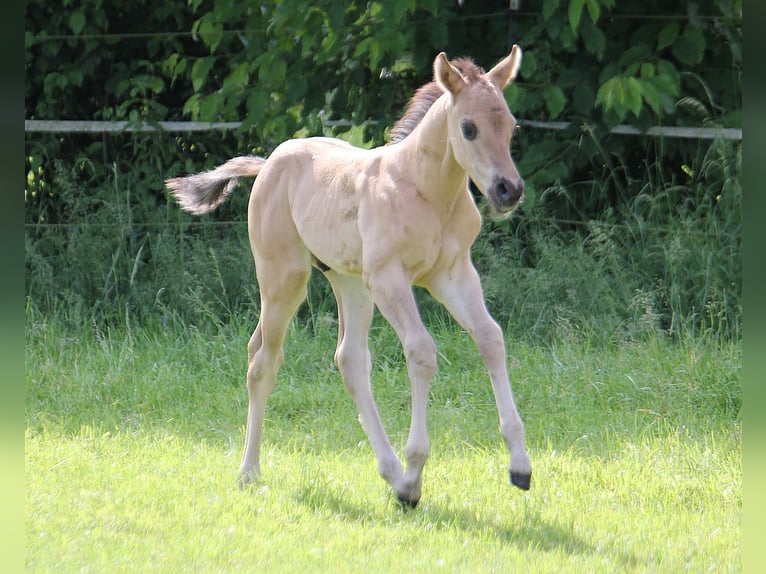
x=283 y=288
x=355 y=310
x=393 y=295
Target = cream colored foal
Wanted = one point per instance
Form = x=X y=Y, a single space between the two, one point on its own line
x=376 y=222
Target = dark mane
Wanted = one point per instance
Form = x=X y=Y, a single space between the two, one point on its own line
x=424 y=98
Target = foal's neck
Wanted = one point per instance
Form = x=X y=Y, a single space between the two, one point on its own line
x=428 y=155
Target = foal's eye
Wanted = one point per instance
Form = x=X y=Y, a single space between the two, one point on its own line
x=469 y=129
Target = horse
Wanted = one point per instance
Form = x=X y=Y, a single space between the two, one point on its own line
x=376 y=223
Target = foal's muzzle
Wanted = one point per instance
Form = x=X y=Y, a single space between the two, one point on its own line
x=505 y=194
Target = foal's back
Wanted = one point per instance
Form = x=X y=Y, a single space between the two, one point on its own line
x=317 y=187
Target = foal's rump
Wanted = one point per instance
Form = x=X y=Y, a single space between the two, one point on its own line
x=315 y=186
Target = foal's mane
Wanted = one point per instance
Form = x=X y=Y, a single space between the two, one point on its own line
x=424 y=98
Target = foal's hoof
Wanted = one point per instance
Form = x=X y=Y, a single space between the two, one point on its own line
x=521 y=479
x=246 y=480
x=407 y=504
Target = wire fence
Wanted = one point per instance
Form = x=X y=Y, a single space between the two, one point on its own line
x=74 y=126
x=182 y=225
x=89 y=126
x=509 y=13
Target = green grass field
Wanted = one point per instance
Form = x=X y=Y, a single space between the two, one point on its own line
x=134 y=437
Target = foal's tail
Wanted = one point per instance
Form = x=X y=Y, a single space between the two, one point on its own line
x=203 y=192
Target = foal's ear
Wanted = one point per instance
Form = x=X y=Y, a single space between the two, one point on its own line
x=447 y=75
x=505 y=71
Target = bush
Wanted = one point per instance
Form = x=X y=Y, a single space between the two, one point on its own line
x=661 y=267
x=619 y=235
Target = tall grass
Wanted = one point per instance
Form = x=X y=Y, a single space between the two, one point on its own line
x=668 y=263
x=664 y=259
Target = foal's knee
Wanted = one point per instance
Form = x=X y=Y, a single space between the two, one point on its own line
x=353 y=362
x=490 y=340
x=254 y=345
x=420 y=352
x=262 y=368
x=344 y=358
x=349 y=356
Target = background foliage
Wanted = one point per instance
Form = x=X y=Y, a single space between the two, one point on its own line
x=619 y=235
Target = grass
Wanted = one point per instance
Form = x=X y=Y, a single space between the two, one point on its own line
x=134 y=437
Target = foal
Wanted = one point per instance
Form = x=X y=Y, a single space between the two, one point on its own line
x=376 y=222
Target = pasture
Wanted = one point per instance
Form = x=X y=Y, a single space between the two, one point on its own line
x=617 y=285
x=134 y=437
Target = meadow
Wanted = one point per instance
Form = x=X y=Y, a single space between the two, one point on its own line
x=624 y=349
x=134 y=436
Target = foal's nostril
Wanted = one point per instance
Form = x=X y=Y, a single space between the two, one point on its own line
x=509 y=191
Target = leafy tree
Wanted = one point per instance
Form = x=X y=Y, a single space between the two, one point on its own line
x=287 y=68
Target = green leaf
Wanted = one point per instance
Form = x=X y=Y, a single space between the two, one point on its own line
x=400 y=7
x=593 y=9
x=77 y=21
x=210 y=107
x=200 y=71
x=567 y=39
x=273 y=70
x=375 y=53
x=632 y=70
x=554 y=100
x=667 y=35
x=611 y=97
x=651 y=95
x=156 y=84
x=328 y=48
x=75 y=77
x=549 y=7
x=516 y=98
x=664 y=88
x=239 y=77
x=191 y=107
x=52 y=81
x=362 y=47
x=593 y=38
x=575 y=13
x=210 y=30
x=668 y=79
x=633 y=99
x=689 y=49
x=376 y=9
x=635 y=55
x=257 y=104
x=529 y=65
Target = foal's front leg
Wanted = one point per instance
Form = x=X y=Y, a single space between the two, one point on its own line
x=460 y=291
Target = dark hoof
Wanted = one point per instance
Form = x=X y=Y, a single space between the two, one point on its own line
x=521 y=480
x=407 y=504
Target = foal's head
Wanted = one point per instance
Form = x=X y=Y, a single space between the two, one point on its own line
x=481 y=126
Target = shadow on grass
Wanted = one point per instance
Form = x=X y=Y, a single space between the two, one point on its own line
x=526 y=530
